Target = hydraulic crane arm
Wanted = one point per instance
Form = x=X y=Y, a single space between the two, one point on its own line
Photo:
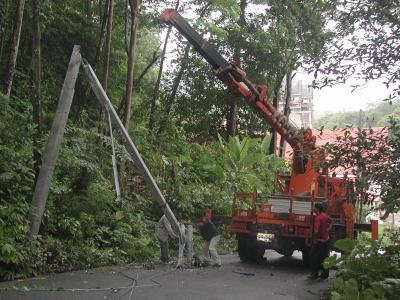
x=236 y=80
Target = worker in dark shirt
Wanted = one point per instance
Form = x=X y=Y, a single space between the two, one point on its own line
x=211 y=239
x=320 y=248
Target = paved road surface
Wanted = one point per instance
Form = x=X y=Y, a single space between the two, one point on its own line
x=280 y=278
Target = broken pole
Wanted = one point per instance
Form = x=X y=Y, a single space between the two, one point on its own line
x=131 y=148
x=53 y=145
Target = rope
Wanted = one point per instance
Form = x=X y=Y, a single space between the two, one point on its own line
x=113 y=160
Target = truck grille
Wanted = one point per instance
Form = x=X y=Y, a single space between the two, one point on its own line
x=281 y=204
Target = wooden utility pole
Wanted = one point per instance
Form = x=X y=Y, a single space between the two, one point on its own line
x=12 y=60
x=53 y=145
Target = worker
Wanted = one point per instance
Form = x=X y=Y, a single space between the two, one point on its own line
x=211 y=238
x=320 y=249
x=164 y=232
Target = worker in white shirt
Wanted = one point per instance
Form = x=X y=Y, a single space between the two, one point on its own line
x=164 y=232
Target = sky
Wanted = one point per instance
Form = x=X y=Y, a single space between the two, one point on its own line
x=340 y=97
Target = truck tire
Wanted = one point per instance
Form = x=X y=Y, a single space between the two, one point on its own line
x=244 y=249
x=306 y=256
x=286 y=252
x=257 y=254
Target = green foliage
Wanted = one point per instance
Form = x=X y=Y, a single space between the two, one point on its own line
x=83 y=225
x=388 y=179
x=16 y=180
x=376 y=116
x=368 y=269
x=373 y=157
x=365 y=45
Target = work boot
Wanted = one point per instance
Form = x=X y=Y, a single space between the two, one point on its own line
x=216 y=265
x=324 y=274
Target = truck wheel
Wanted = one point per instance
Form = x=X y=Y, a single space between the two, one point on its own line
x=243 y=249
x=306 y=256
x=257 y=254
x=288 y=253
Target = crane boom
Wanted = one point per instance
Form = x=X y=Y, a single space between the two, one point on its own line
x=236 y=80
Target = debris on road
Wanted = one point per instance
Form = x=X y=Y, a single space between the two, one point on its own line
x=243 y=273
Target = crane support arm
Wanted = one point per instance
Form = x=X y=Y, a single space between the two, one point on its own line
x=236 y=81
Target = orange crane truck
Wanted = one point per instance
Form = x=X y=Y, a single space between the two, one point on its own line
x=283 y=221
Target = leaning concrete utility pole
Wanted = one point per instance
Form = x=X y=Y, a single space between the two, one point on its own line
x=53 y=145
x=131 y=148
x=185 y=236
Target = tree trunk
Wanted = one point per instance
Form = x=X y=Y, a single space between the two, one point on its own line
x=233 y=105
x=157 y=86
x=160 y=70
x=89 y=6
x=232 y=115
x=103 y=32
x=107 y=52
x=37 y=83
x=275 y=101
x=134 y=6
x=12 y=60
x=286 y=110
x=171 y=98
x=3 y=26
x=134 y=10
x=136 y=82
x=103 y=15
x=106 y=59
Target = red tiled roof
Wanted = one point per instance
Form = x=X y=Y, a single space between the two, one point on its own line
x=329 y=136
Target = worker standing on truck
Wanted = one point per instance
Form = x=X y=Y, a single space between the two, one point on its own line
x=164 y=232
x=320 y=248
x=211 y=238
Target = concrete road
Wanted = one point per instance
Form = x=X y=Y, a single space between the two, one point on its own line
x=279 y=278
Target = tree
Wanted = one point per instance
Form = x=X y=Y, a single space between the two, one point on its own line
x=286 y=110
x=134 y=12
x=388 y=177
x=37 y=82
x=237 y=58
x=365 y=46
x=107 y=52
x=12 y=59
x=4 y=12
x=372 y=156
x=160 y=71
x=374 y=116
x=275 y=39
